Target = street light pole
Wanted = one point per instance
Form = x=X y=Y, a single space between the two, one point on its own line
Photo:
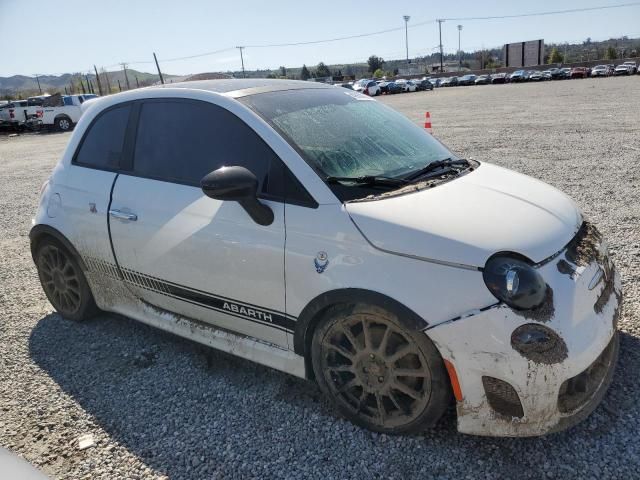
x=241 y=60
x=459 y=51
x=441 y=54
x=406 y=35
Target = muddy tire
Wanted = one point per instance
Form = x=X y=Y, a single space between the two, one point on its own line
x=64 y=282
x=64 y=124
x=377 y=373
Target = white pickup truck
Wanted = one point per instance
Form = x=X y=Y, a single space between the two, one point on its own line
x=63 y=111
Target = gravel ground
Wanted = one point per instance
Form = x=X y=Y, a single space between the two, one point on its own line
x=158 y=406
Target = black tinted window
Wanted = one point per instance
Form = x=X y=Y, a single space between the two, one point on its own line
x=102 y=145
x=182 y=141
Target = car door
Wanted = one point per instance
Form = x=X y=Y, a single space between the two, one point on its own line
x=83 y=193
x=186 y=253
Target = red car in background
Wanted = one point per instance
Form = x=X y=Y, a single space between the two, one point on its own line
x=580 y=72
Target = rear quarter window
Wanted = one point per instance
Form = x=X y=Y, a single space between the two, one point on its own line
x=102 y=144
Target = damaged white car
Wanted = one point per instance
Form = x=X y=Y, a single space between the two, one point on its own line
x=316 y=231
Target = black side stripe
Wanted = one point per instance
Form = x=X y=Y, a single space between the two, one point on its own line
x=228 y=306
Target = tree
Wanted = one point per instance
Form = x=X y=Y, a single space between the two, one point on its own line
x=555 y=56
x=375 y=63
x=322 y=70
x=610 y=54
x=304 y=73
x=283 y=72
x=379 y=73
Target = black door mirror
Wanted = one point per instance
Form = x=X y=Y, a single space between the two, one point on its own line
x=237 y=184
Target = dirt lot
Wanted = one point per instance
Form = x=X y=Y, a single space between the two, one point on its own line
x=159 y=406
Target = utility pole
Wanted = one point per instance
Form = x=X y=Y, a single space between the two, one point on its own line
x=241 y=60
x=106 y=78
x=137 y=83
x=38 y=80
x=459 y=50
x=406 y=35
x=89 y=86
x=95 y=69
x=126 y=78
x=158 y=67
x=441 y=54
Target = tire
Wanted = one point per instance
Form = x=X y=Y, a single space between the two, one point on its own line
x=377 y=373
x=64 y=282
x=64 y=124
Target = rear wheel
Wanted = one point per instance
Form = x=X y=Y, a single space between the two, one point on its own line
x=63 y=124
x=63 y=281
x=377 y=373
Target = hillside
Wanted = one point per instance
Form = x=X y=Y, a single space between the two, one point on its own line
x=23 y=86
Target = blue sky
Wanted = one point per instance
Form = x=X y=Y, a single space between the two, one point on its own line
x=56 y=36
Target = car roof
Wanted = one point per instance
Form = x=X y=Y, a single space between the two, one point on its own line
x=240 y=87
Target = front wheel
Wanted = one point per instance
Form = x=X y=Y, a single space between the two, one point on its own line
x=63 y=282
x=377 y=373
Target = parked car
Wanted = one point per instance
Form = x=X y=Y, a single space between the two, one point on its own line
x=623 y=69
x=436 y=82
x=468 y=79
x=14 y=113
x=536 y=76
x=600 y=71
x=368 y=87
x=393 y=88
x=449 y=82
x=62 y=112
x=579 y=72
x=423 y=85
x=529 y=283
x=633 y=66
x=564 y=74
x=499 y=78
x=519 y=76
x=383 y=84
x=409 y=86
x=483 y=80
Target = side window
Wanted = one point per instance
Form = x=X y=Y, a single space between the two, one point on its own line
x=183 y=140
x=103 y=143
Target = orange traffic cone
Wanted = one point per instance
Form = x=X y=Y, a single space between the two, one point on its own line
x=427 y=122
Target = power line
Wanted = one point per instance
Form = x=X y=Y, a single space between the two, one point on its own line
x=337 y=39
x=553 y=12
x=197 y=55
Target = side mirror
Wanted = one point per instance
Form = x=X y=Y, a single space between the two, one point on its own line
x=237 y=184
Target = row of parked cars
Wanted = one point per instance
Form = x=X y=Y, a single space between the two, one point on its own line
x=57 y=111
x=626 y=68
x=379 y=87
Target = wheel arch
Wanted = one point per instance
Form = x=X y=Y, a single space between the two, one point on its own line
x=41 y=231
x=61 y=116
x=314 y=312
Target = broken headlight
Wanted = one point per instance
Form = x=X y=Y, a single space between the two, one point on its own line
x=514 y=282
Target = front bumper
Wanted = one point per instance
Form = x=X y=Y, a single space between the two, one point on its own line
x=507 y=393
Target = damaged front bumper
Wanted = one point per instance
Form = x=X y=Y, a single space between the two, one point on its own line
x=510 y=390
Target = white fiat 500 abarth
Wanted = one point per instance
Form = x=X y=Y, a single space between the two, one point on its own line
x=311 y=229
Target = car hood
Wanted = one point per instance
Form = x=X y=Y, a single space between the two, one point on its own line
x=470 y=218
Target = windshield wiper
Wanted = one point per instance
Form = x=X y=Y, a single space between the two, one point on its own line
x=430 y=167
x=369 y=180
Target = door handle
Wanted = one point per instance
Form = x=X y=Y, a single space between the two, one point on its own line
x=132 y=217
